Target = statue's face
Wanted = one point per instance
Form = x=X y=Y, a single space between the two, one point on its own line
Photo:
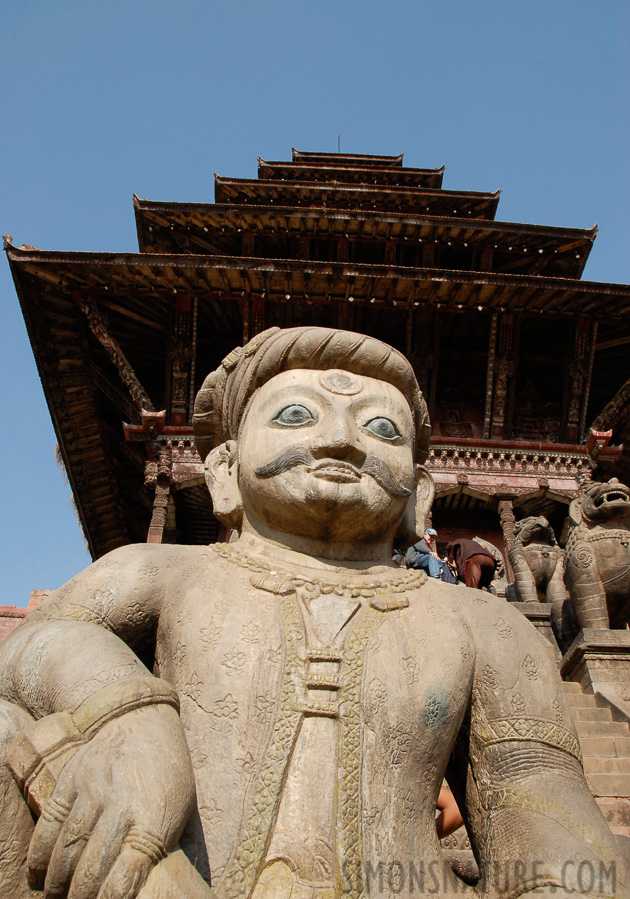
x=327 y=454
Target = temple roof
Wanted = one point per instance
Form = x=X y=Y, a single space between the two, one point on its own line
x=336 y=240
x=227 y=278
x=303 y=171
x=217 y=228
x=135 y=295
x=359 y=196
x=347 y=159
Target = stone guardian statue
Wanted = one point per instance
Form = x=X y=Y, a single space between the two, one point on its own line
x=598 y=555
x=538 y=562
x=274 y=717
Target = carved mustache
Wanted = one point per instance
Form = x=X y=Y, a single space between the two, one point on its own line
x=299 y=455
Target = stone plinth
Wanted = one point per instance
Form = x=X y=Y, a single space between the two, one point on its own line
x=539 y=614
x=599 y=660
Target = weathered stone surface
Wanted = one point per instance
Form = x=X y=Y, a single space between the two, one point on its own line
x=538 y=562
x=597 y=563
x=539 y=615
x=617 y=814
x=599 y=660
x=324 y=693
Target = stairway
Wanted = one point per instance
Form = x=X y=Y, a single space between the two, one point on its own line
x=606 y=752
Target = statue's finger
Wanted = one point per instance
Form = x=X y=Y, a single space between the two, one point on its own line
x=99 y=855
x=73 y=838
x=128 y=875
x=47 y=831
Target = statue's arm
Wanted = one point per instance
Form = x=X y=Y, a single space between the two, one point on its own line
x=86 y=635
x=525 y=581
x=106 y=761
x=556 y=591
x=530 y=812
x=585 y=586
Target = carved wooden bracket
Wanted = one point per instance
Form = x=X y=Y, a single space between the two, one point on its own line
x=98 y=326
x=152 y=425
x=597 y=441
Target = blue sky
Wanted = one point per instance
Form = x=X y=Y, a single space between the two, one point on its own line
x=101 y=100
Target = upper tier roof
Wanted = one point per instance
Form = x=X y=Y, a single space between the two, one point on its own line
x=342 y=196
x=358 y=159
x=309 y=172
x=218 y=228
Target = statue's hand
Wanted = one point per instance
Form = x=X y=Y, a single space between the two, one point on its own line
x=119 y=805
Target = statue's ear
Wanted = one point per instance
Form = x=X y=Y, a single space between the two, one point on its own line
x=575 y=511
x=418 y=505
x=221 y=467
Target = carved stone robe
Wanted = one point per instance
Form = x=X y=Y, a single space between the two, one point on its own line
x=324 y=706
x=322 y=715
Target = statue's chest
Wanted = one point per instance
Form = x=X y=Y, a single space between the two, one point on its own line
x=342 y=656
x=417 y=683
x=223 y=651
x=611 y=547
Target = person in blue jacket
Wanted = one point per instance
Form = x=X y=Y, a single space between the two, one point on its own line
x=422 y=555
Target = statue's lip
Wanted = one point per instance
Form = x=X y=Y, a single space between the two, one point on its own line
x=614 y=495
x=336 y=469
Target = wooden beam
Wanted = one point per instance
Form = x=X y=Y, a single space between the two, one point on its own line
x=98 y=326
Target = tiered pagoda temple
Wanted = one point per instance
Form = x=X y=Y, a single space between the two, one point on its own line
x=523 y=364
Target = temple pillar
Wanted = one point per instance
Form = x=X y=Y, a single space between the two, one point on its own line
x=179 y=355
x=492 y=342
x=503 y=371
x=258 y=315
x=432 y=366
x=580 y=371
x=390 y=252
x=421 y=349
x=342 y=249
x=245 y=305
x=486 y=259
x=508 y=524
x=158 y=475
x=247 y=243
x=304 y=246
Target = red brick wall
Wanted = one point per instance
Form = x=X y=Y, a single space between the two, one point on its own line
x=10 y=616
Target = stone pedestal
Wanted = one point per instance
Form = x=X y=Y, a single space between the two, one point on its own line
x=539 y=614
x=599 y=660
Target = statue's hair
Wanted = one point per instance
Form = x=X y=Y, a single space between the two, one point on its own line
x=225 y=394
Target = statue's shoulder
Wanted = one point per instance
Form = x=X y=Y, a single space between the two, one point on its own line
x=478 y=607
x=165 y=561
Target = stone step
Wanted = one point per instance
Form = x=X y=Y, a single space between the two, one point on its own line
x=617 y=814
x=602 y=729
x=609 y=784
x=584 y=701
x=572 y=688
x=600 y=765
x=605 y=747
x=587 y=713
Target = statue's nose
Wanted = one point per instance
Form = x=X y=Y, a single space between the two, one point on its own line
x=342 y=440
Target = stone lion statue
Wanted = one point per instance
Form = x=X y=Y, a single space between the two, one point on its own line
x=537 y=561
x=597 y=561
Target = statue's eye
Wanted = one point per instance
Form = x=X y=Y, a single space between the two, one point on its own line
x=293 y=416
x=382 y=427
